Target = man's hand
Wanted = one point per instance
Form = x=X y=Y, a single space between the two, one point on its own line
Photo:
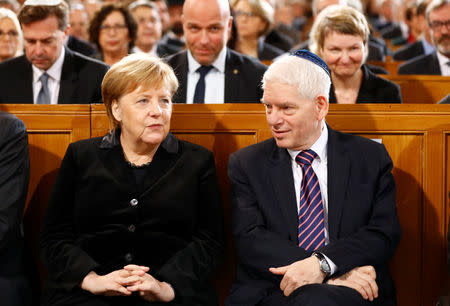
x=362 y=279
x=111 y=284
x=299 y=273
x=149 y=288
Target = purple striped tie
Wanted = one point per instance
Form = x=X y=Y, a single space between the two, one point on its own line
x=311 y=228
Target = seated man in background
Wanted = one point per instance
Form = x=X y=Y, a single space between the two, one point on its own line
x=209 y=72
x=14 y=174
x=437 y=62
x=149 y=29
x=314 y=213
x=49 y=73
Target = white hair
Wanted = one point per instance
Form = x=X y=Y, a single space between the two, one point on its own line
x=7 y=13
x=310 y=79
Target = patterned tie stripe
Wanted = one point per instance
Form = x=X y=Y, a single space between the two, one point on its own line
x=311 y=228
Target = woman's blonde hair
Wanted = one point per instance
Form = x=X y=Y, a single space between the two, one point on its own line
x=340 y=19
x=133 y=71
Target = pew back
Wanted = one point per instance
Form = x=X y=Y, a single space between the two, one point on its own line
x=416 y=136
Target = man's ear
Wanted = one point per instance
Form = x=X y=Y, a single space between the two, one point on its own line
x=322 y=106
x=116 y=110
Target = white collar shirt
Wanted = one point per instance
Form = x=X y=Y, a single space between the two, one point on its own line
x=152 y=51
x=444 y=64
x=319 y=166
x=214 y=80
x=54 y=80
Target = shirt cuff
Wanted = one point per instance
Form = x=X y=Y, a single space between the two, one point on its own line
x=333 y=267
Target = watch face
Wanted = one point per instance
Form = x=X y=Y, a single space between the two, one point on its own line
x=324 y=266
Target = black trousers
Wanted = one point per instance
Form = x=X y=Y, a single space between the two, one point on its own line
x=320 y=294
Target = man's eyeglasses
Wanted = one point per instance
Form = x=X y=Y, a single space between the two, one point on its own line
x=9 y=33
x=240 y=13
x=116 y=27
x=438 y=25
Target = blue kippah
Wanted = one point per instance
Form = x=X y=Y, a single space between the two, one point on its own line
x=308 y=55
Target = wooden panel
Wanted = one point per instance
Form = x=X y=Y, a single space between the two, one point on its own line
x=416 y=89
x=51 y=128
x=416 y=136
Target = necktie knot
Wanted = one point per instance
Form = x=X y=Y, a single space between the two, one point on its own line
x=203 y=70
x=44 y=79
x=306 y=157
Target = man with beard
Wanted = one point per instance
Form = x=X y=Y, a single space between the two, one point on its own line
x=49 y=73
x=438 y=62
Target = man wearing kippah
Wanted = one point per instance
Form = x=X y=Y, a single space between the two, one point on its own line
x=49 y=73
x=314 y=213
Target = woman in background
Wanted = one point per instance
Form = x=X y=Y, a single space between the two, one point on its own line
x=253 y=20
x=113 y=31
x=340 y=36
x=11 y=38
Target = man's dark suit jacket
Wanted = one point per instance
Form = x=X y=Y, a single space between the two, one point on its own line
x=374 y=89
x=243 y=76
x=81 y=79
x=362 y=217
x=267 y=52
x=175 y=212
x=425 y=64
x=410 y=51
x=14 y=175
x=81 y=46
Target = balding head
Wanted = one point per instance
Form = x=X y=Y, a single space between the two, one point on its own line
x=206 y=24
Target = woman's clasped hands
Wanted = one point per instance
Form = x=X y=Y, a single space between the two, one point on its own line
x=132 y=278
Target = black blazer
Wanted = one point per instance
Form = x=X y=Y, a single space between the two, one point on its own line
x=374 y=89
x=362 y=217
x=81 y=79
x=81 y=46
x=14 y=175
x=408 y=52
x=425 y=64
x=243 y=76
x=267 y=52
x=99 y=219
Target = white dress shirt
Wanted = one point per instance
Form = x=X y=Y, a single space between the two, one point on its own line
x=152 y=51
x=214 y=80
x=54 y=80
x=444 y=64
x=319 y=166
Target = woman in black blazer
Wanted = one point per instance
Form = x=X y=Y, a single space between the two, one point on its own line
x=340 y=36
x=134 y=217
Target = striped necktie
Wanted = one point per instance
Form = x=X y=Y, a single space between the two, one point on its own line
x=311 y=228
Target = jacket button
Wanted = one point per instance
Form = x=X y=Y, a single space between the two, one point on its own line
x=129 y=257
x=134 y=202
x=132 y=228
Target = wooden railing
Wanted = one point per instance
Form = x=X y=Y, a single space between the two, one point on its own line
x=416 y=136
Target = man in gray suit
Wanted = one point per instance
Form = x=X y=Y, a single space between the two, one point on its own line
x=49 y=73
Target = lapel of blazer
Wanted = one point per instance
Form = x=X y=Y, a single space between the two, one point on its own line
x=232 y=78
x=338 y=176
x=69 y=78
x=27 y=81
x=435 y=63
x=282 y=181
x=180 y=66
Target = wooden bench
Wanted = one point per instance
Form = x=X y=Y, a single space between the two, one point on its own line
x=416 y=136
x=421 y=88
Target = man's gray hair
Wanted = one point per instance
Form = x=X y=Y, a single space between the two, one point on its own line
x=310 y=79
x=435 y=4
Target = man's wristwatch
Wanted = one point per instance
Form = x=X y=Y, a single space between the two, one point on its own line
x=324 y=266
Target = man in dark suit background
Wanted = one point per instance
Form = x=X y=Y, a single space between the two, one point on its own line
x=14 y=174
x=49 y=73
x=209 y=72
x=438 y=62
x=319 y=232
